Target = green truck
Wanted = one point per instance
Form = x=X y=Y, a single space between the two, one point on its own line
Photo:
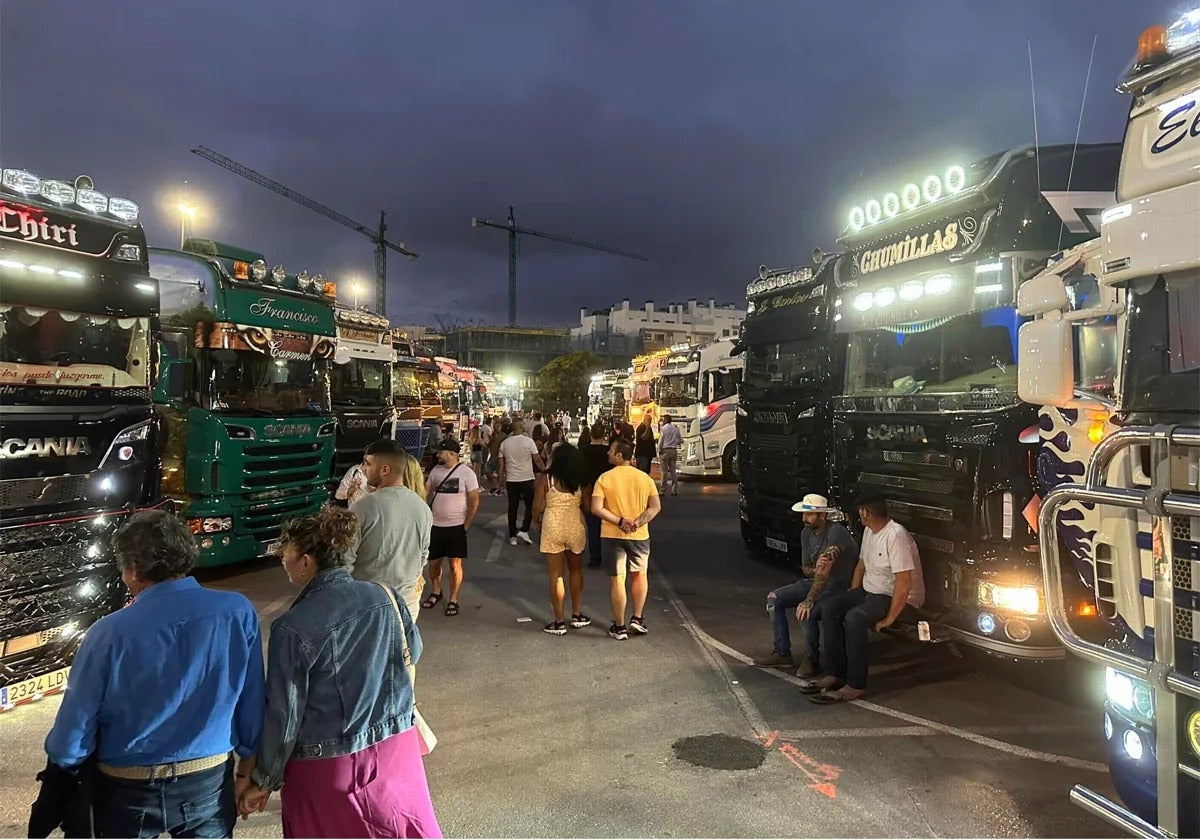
x=243 y=392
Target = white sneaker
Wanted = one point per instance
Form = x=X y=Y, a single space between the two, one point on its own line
x=524 y=537
x=512 y=540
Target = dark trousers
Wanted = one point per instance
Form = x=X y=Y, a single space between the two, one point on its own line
x=644 y=462
x=196 y=805
x=846 y=621
x=518 y=491
x=593 y=537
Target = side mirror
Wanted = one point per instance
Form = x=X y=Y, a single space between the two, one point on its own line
x=1046 y=370
x=172 y=380
x=1044 y=293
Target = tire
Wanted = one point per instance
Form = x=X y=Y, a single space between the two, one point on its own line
x=729 y=464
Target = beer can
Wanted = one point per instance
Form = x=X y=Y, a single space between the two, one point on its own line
x=923 y=631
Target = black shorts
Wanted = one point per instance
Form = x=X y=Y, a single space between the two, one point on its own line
x=447 y=542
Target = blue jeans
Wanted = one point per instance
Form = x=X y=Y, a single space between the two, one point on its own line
x=196 y=805
x=593 y=538
x=783 y=604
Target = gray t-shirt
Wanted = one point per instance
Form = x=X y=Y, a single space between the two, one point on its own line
x=393 y=540
x=813 y=544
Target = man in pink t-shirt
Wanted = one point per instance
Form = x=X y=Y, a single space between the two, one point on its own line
x=453 y=492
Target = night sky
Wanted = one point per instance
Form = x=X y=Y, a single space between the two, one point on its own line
x=710 y=136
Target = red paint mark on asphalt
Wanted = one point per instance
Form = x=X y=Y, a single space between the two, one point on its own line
x=822 y=777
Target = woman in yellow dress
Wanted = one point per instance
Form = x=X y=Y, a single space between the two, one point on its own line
x=558 y=510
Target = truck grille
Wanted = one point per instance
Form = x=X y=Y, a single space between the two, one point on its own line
x=264 y=521
x=924 y=459
x=270 y=465
x=18 y=493
x=910 y=509
x=55 y=572
x=923 y=485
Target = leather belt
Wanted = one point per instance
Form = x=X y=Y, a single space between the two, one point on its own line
x=164 y=771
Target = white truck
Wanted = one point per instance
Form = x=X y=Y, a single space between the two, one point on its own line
x=698 y=388
x=1114 y=355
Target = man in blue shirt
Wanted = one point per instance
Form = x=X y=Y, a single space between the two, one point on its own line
x=162 y=692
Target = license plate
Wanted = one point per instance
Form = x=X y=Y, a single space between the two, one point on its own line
x=34 y=688
x=778 y=545
x=274 y=548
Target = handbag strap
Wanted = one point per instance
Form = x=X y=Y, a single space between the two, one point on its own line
x=399 y=617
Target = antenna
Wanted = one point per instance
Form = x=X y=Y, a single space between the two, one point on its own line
x=1037 y=154
x=1078 y=128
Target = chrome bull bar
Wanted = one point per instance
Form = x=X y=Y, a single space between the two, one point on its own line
x=1157 y=501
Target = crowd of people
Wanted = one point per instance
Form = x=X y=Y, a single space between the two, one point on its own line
x=174 y=723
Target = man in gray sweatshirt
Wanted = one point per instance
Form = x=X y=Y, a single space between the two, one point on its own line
x=394 y=526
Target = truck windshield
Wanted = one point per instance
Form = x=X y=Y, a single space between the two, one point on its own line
x=43 y=348
x=677 y=390
x=428 y=382
x=1163 y=349
x=640 y=392
x=965 y=353
x=245 y=380
x=405 y=387
x=780 y=365
x=360 y=382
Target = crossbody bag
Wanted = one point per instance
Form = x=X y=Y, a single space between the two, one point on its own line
x=424 y=732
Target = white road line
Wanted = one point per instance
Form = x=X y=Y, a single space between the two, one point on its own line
x=753 y=716
x=872 y=732
x=965 y=734
x=500 y=537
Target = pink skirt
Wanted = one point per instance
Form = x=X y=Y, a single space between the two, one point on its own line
x=377 y=792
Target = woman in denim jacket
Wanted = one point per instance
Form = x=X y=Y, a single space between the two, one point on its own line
x=338 y=736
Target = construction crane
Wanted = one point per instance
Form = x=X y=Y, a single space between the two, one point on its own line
x=376 y=235
x=514 y=231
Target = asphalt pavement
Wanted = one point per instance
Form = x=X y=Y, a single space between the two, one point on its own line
x=675 y=734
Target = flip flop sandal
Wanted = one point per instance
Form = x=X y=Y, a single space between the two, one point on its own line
x=452 y=608
x=431 y=601
x=828 y=698
x=815 y=687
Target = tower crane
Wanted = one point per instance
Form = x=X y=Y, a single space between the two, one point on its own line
x=514 y=231
x=376 y=235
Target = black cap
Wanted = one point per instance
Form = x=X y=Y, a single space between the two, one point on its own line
x=867 y=497
x=449 y=445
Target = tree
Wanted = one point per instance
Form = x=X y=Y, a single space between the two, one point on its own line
x=563 y=383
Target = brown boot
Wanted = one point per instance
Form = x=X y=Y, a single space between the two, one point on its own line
x=808 y=669
x=775 y=660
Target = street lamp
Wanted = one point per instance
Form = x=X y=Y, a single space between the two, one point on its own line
x=356 y=287
x=186 y=213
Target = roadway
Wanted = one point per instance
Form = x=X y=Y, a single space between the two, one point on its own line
x=675 y=734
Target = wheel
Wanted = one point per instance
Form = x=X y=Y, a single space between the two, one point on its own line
x=729 y=464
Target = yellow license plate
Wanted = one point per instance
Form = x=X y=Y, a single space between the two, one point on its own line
x=34 y=688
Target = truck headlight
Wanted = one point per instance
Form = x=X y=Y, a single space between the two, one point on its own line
x=210 y=524
x=1129 y=693
x=1022 y=599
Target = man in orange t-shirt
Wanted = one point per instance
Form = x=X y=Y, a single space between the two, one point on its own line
x=625 y=499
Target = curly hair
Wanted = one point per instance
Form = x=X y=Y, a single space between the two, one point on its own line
x=156 y=545
x=325 y=536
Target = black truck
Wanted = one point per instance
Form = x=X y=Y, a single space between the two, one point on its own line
x=360 y=384
x=78 y=310
x=794 y=362
x=928 y=412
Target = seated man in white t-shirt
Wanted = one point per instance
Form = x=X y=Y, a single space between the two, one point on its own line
x=887 y=583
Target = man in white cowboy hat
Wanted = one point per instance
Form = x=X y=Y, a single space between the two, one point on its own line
x=828 y=555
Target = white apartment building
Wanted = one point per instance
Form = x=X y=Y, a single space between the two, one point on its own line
x=622 y=328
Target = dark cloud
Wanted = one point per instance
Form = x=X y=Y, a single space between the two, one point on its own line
x=710 y=136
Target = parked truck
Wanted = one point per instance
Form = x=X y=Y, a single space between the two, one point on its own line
x=360 y=384
x=793 y=367
x=77 y=430
x=928 y=412
x=243 y=391
x=1139 y=480
x=698 y=387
